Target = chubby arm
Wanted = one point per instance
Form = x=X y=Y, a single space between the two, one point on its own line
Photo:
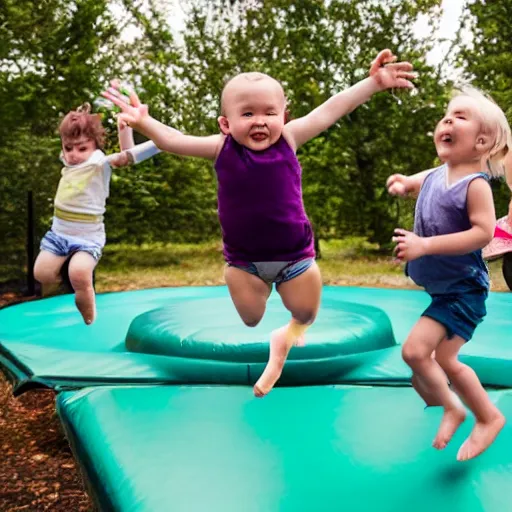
x=173 y=141
x=401 y=185
x=299 y=131
x=384 y=74
x=481 y=215
x=168 y=139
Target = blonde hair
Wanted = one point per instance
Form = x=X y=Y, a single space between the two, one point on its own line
x=252 y=76
x=495 y=123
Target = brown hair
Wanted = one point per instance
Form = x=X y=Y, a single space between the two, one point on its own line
x=81 y=122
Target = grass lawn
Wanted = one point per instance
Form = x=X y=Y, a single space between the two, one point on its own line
x=351 y=262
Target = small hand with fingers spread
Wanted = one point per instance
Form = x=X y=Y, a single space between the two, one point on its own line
x=133 y=112
x=390 y=74
x=398 y=185
x=409 y=246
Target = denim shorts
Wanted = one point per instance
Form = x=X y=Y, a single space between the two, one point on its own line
x=459 y=313
x=277 y=272
x=64 y=245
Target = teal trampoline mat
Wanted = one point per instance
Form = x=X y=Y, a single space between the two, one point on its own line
x=325 y=448
x=45 y=343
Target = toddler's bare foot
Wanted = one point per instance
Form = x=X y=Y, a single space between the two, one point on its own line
x=86 y=304
x=452 y=419
x=481 y=437
x=279 y=348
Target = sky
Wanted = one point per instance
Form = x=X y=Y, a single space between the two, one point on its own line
x=452 y=10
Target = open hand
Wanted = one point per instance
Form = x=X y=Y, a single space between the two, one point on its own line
x=133 y=112
x=397 y=185
x=390 y=74
x=409 y=246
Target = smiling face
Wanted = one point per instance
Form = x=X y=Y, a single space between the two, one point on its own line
x=460 y=136
x=253 y=108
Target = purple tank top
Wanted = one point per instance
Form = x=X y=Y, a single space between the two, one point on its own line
x=261 y=211
x=441 y=209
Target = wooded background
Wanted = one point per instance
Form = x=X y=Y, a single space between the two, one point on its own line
x=57 y=54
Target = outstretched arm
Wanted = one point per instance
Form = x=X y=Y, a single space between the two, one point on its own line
x=166 y=138
x=384 y=74
x=401 y=185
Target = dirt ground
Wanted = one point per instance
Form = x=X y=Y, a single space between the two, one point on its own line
x=37 y=469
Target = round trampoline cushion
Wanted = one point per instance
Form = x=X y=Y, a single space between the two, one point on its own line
x=211 y=329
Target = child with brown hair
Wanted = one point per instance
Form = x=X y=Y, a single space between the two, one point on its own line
x=77 y=233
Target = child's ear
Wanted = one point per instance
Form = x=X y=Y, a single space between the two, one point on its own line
x=483 y=142
x=223 y=124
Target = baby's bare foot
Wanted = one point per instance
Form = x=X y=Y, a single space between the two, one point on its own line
x=279 y=348
x=452 y=419
x=481 y=437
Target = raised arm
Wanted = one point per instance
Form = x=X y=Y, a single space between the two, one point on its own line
x=384 y=74
x=125 y=135
x=166 y=138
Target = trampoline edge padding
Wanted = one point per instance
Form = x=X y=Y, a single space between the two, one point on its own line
x=92 y=480
x=195 y=448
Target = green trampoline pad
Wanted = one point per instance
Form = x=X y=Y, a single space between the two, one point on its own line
x=329 y=448
x=45 y=342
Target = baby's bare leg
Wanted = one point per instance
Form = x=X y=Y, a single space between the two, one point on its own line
x=47 y=271
x=301 y=296
x=422 y=389
x=417 y=353
x=249 y=294
x=489 y=420
x=81 y=267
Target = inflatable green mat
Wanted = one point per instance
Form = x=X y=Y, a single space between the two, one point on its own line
x=354 y=340
x=322 y=449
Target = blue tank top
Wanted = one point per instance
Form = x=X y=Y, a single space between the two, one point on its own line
x=441 y=210
x=261 y=211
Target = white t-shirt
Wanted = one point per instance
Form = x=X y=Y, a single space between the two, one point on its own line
x=84 y=188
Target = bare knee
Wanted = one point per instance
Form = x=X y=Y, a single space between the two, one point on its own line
x=450 y=365
x=306 y=317
x=45 y=275
x=251 y=320
x=413 y=355
x=81 y=279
